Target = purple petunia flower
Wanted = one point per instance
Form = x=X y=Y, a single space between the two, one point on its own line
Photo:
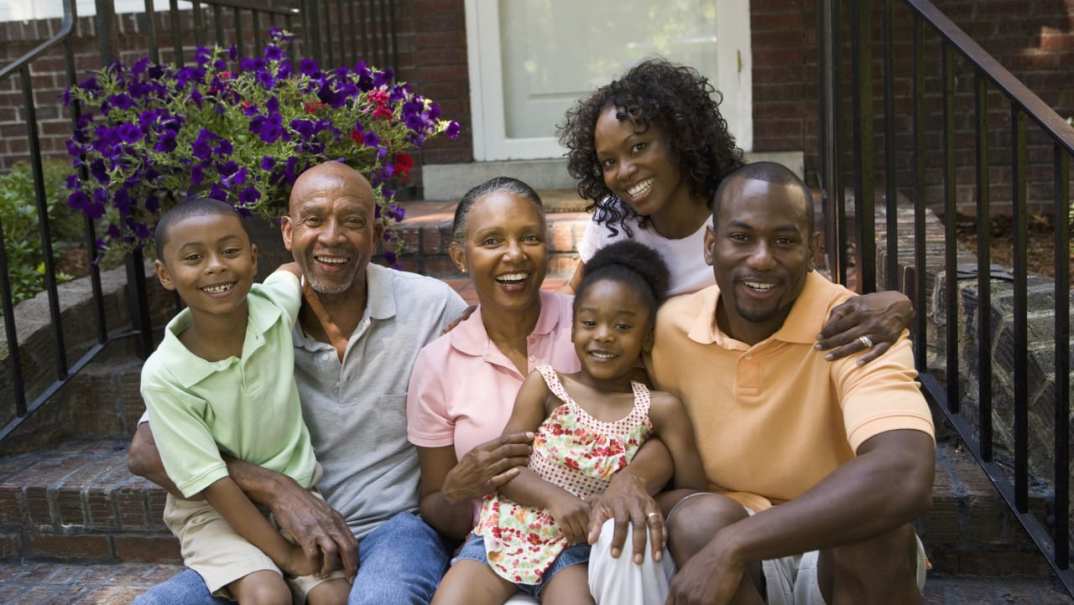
x=97 y=169
x=267 y=163
x=140 y=66
x=224 y=148
x=453 y=130
x=72 y=181
x=166 y=142
x=202 y=55
x=305 y=128
x=140 y=230
x=218 y=192
x=123 y=202
x=77 y=200
x=197 y=175
x=129 y=133
x=308 y=67
x=249 y=195
x=371 y=139
x=227 y=168
x=273 y=53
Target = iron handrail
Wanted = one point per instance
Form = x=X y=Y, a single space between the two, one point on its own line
x=66 y=27
x=943 y=388
x=1036 y=108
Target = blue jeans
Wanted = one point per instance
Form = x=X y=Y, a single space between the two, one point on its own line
x=401 y=561
x=576 y=554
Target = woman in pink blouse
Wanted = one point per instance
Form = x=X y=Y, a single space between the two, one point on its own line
x=464 y=383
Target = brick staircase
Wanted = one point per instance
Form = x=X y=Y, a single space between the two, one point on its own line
x=76 y=527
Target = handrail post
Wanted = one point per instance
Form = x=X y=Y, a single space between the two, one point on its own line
x=137 y=302
x=861 y=13
x=834 y=220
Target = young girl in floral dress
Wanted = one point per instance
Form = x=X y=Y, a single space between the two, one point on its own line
x=531 y=537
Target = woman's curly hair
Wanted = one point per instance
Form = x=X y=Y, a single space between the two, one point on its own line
x=675 y=98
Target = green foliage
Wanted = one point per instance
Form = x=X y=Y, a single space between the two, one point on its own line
x=22 y=232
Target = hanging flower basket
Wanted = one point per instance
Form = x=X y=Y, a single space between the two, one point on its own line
x=237 y=129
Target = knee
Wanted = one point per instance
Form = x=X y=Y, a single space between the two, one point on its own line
x=885 y=560
x=697 y=519
x=269 y=589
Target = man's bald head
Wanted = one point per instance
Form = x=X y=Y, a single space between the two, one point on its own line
x=767 y=172
x=328 y=177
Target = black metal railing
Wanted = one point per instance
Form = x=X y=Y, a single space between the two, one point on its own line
x=1052 y=534
x=334 y=33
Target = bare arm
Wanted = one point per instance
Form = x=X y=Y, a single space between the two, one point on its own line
x=576 y=279
x=528 y=488
x=673 y=427
x=319 y=530
x=449 y=487
x=225 y=496
x=885 y=486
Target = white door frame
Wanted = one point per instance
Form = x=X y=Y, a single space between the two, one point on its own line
x=486 y=82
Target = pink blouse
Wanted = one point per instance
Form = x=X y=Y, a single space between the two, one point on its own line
x=463 y=388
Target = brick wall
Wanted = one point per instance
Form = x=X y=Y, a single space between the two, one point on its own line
x=1034 y=39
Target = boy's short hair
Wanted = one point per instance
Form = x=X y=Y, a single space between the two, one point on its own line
x=197 y=206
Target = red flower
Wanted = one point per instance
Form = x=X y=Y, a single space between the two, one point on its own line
x=312 y=106
x=570 y=463
x=380 y=97
x=247 y=105
x=403 y=163
x=356 y=136
x=382 y=112
x=224 y=75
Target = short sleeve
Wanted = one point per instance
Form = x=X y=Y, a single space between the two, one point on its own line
x=594 y=238
x=453 y=308
x=283 y=289
x=427 y=420
x=186 y=445
x=882 y=395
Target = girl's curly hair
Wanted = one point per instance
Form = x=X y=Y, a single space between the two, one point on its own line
x=675 y=98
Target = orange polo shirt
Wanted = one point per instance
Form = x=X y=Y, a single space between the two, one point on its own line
x=774 y=419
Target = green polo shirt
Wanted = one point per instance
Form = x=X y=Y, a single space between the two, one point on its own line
x=245 y=407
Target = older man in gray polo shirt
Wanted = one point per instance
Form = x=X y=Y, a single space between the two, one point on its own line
x=353 y=391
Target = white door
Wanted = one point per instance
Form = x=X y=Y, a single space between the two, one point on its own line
x=530 y=60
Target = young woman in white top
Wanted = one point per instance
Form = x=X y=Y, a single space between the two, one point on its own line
x=649 y=151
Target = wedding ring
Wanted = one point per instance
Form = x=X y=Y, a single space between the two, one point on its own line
x=651 y=515
x=865 y=340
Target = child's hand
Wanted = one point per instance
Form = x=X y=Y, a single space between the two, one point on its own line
x=572 y=516
x=298 y=564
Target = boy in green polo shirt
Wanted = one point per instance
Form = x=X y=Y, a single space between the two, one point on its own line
x=222 y=383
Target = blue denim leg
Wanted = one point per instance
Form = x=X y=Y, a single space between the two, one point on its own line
x=184 y=588
x=400 y=562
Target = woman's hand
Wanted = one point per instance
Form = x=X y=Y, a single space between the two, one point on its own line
x=487 y=467
x=571 y=515
x=879 y=317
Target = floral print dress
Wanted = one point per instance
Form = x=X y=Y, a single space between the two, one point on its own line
x=574 y=451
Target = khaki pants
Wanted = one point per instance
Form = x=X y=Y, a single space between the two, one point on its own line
x=212 y=548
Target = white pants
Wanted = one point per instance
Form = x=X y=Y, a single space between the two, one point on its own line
x=790 y=580
x=620 y=581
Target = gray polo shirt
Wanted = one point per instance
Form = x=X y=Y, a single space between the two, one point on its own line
x=356 y=410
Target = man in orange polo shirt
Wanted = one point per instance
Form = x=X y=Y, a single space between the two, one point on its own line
x=803 y=454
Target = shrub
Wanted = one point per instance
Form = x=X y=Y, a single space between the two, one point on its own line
x=22 y=235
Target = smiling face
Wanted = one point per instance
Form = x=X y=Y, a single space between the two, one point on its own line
x=209 y=260
x=639 y=168
x=761 y=252
x=331 y=229
x=504 y=251
x=612 y=324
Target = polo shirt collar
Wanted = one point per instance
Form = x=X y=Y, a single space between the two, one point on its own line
x=189 y=369
x=470 y=337
x=802 y=325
